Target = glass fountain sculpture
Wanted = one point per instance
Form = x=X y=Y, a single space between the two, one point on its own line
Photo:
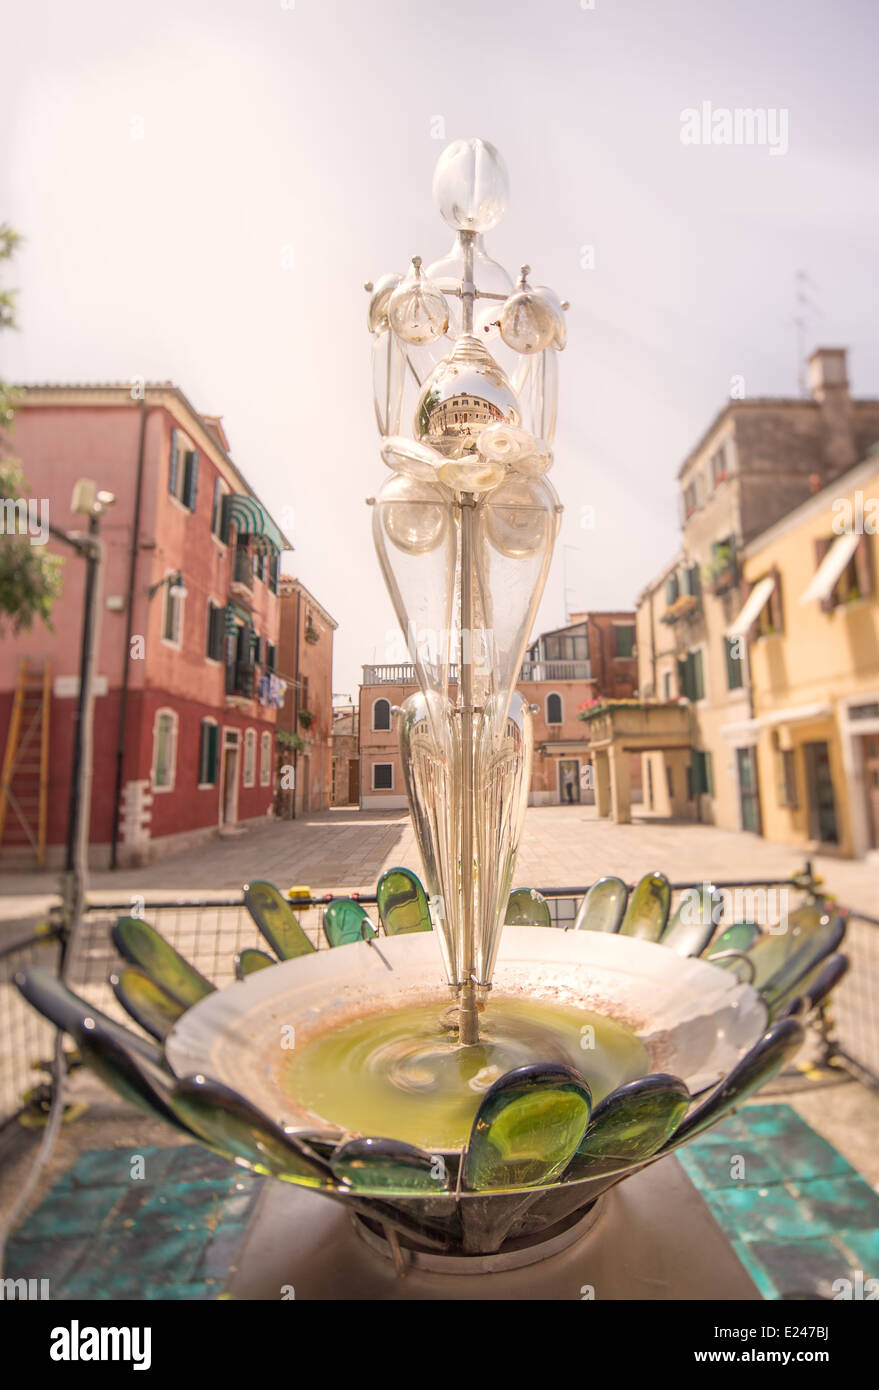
x=464 y=1077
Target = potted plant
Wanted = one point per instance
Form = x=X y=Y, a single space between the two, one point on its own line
x=311 y=634
x=306 y=718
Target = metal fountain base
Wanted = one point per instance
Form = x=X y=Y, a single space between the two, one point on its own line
x=651 y=1237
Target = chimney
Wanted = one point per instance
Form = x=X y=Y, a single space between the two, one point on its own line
x=828 y=383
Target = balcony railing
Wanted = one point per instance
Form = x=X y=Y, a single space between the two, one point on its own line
x=403 y=673
x=556 y=671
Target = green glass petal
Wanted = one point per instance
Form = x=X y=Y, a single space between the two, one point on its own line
x=694 y=922
x=345 y=921
x=230 y=1124
x=738 y=937
x=148 y=1004
x=778 y=1045
x=814 y=986
x=67 y=1010
x=276 y=920
x=250 y=960
x=402 y=902
x=527 y=908
x=142 y=945
x=629 y=1125
x=388 y=1165
x=131 y=1076
x=603 y=907
x=647 y=912
x=528 y=1127
x=811 y=936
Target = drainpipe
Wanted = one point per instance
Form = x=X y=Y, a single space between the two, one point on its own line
x=296 y=700
x=129 y=625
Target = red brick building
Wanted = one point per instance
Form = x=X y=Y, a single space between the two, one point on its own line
x=592 y=656
x=186 y=674
x=305 y=660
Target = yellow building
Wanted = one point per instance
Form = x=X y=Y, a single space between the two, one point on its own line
x=810 y=623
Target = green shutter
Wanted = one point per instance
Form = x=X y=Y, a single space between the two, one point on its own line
x=173 y=465
x=213 y=752
x=734 y=677
x=190 y=480
x=671 y=588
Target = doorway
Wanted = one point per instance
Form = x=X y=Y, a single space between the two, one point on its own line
x=569 y=781
x=822 y=803
x=229 y=781
x=749 y=794
x=353 y=781
x=870 y=744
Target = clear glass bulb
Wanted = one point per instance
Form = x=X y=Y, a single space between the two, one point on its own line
x=414 y=514
x=470 y=185
x=417 y=309
x=489 y=277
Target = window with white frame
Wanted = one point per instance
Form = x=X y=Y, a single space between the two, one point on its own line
x=265 y=758
x=164 y=750
x=381 y=715
x=172 y=617
x=208 y=753
x=383 y=777
x=554 y=713
x=250 y=758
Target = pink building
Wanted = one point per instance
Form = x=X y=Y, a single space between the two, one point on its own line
x=186 y=676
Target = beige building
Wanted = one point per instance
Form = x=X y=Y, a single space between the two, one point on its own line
x=305 y=661
x=758 y=461
x=813 y=651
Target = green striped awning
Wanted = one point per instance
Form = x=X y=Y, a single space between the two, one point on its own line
x=252 y=520
x=236 y=615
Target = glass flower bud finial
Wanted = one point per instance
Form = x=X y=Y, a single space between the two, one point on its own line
x=417 y=308
x=470 y=185
x=531 y=319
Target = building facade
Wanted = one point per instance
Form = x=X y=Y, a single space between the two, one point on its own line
x=186 y=684
x=813 y=652
x=305 y=658
x=346 y=756
x=759 y=460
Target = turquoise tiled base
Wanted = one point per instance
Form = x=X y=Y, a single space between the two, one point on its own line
x=800 y=1219
x=103 y=1232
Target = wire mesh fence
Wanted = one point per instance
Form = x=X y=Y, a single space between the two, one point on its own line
x=210 y=932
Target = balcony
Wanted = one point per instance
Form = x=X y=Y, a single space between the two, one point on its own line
x=556 y=671
x=240 y=680
x=398 y=673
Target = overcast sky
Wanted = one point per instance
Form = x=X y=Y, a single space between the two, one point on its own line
x=167 y=162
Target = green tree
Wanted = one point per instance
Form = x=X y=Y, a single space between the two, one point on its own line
x=30 y=578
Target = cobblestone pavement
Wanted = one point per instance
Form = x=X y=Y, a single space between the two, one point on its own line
x=346 y=849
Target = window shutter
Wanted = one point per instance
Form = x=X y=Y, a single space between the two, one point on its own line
x=698 y=681
x=217 y=508
x=682 y=677
x=776 y=610
x=671 y=588
x=864 y=566
x=190 y=480
x=822 y=545
x=173 y=465
x=213 y=752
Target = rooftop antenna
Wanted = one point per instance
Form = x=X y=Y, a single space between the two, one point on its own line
x=803 y=307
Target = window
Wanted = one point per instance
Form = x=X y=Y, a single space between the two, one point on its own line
x=691 y=682
x=265 y=758
x=183 y=472
x=381 y=715
x=856 y=579
x=554 y=709
x=771 y=617
x=216 y=632
x=250 y=757
x=164 y=750
x=691 y=498
x=208 y=753
x=271 y=657
x=717 y=467
x=217 y=510
x=666 y=685
x=382 y=777
x=733 y=651
x=172 y=619
x=702 y=773
x=690 y=581
x=625 y=640
x=671 y=589
x=274 y=570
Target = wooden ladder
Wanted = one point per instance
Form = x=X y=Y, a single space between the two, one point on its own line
x=24 y=782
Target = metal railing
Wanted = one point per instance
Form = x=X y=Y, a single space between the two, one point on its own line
x=210 y=932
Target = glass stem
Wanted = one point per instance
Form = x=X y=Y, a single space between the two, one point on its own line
x=468 y=1025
